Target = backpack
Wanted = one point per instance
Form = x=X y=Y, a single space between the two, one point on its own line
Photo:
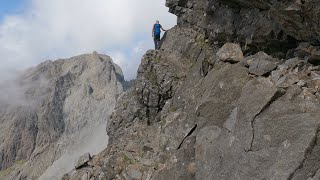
x=157 y=30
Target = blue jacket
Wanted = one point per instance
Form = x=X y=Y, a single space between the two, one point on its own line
x=157 y=29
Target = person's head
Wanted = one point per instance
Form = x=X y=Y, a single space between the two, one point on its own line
x=157 y=22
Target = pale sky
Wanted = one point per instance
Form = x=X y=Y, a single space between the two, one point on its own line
x=32 y=31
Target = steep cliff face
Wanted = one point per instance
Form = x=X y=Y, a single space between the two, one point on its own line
x=200 y=110
x=60 y=115
x=268 y=25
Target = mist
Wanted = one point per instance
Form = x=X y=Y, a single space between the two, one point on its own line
x=16 y=90
x=91 y=140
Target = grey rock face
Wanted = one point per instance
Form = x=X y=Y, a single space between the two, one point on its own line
x=271 y=26
x=67 y=104
x=218 y=121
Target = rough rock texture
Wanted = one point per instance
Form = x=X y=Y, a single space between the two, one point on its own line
x=200 y=110
x=269 y=25
x=230 y=52
x=67 y=103
x=260 y=63
x=192 y=116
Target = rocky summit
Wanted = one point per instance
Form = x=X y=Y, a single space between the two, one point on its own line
x=232 y=94
x=61 y=114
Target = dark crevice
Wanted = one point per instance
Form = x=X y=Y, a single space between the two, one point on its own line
x=159 y=103
x=199 y=54
x=276 y=96
x=147 y=108
x=280 y=35
x=35 y=131
x=162 y=99
x=189 y=134
x=1 y=160
x=314 y=173
x=268 y=73
x=231 y=61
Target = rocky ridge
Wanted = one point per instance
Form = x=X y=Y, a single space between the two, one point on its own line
x=192 y=115
x=61 y=113
x=211 y=105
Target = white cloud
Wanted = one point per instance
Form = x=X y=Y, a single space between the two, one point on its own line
x=51 y=29
x=129 y=59
x=119 y=58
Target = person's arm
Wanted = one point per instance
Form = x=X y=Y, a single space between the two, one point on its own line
x=152 y=30
x=163 y=29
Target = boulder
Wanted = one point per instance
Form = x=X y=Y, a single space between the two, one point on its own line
x=230 y=52
x=262 y=67
x=246 y=62
x=260 y=63
x=83 y=161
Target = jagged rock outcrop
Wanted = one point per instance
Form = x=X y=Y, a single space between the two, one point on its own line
x=263 y=25
x=203 y=109
x=62 y=114
x=191 y=115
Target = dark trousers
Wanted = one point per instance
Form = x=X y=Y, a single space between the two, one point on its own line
x=156 y=39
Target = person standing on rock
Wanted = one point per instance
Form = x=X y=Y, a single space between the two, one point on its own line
x=156 y=32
